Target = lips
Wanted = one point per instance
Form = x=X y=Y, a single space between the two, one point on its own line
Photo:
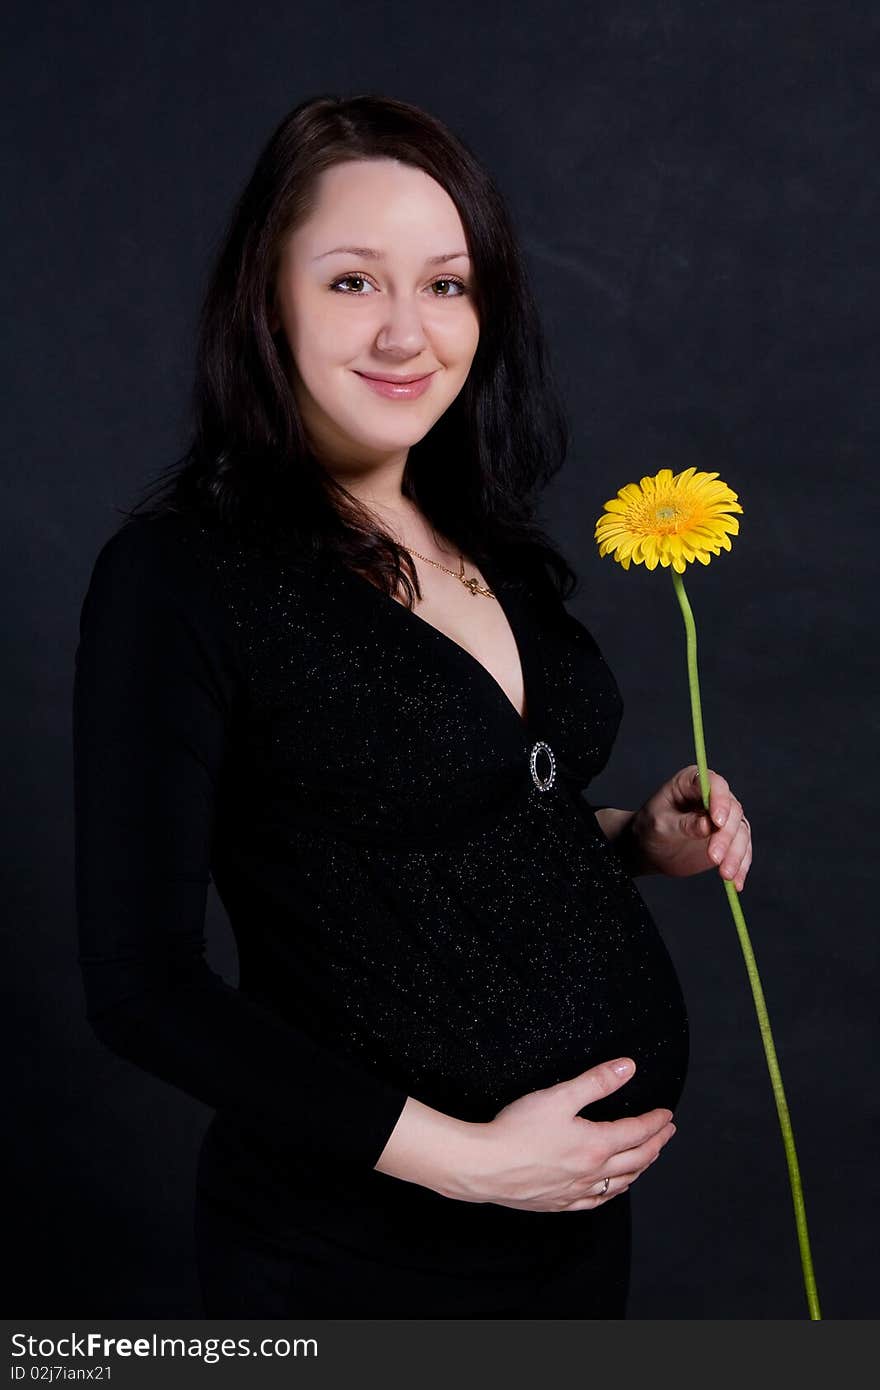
x=394 y=380
x=397 y=388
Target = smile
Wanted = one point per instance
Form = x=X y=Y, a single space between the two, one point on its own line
x=398 y=390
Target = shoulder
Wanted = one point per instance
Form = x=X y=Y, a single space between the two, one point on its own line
x=219 y=582
x=168 y=554
x=151 y=544
x=152 y=612
x=154 y=570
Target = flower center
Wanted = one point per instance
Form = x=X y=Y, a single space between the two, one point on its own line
x=666 y=519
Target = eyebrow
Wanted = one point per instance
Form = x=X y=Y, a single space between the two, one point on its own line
x=369 y=254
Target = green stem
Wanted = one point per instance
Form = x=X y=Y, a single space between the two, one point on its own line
x=751 y=967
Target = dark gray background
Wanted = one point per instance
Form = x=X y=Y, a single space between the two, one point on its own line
x=696 y=189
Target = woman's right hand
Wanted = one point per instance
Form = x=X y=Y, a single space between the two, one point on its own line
x=538 y=1154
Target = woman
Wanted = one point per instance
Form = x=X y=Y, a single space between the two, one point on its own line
x=332 y=668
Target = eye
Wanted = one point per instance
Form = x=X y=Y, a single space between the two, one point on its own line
x=452 y=280
x=342 y=279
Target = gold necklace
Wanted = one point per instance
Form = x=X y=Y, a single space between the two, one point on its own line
x=473 y=583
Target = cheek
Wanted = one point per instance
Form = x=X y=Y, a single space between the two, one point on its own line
x=456 y=337
x=322 y=334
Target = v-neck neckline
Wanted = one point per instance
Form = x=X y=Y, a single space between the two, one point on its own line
x=519 y=633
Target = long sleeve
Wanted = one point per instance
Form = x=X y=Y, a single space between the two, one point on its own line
x=155 y=684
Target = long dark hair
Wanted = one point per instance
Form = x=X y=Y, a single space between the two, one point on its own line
x=477 y=473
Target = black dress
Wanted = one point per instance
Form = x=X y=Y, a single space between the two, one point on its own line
x=422 y=904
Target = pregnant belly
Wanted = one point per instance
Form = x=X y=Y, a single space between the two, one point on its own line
x=470 y=980
x=542 y=1012
x=515 y=970
x=539 y=1007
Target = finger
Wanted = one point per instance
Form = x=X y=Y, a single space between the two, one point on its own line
x=634 y=1163
x=618 y=1183
x=628 y=1132
x=698 y=824
x=687 y=783
x=720 y=796
x=627 y=1179
x=615 y=1188
x=596 y=1082
x=731 y=861
x=722 y=841
x=721 y=799
x=635 y=1159
x=743 y=869
x=631 y=1159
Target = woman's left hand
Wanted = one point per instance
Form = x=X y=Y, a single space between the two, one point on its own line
x=672 y=833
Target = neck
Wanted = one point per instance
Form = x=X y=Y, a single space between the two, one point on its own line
x=396 y=513
x=374 y=484
x=379 y=489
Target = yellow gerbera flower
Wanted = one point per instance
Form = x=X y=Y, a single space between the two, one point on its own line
x=668 y=520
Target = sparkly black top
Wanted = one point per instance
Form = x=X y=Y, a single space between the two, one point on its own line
x=422 y=900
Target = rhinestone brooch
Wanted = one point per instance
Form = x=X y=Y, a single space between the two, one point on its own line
x=542 y=783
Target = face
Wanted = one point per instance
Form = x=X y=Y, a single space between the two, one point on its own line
x=405 y=311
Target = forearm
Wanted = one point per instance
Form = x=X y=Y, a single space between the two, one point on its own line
x=430 y=1148
x=612 y=821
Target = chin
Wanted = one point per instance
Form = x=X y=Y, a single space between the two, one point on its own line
x=388 y=443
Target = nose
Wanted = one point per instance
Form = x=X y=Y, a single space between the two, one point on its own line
x=402 y=332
